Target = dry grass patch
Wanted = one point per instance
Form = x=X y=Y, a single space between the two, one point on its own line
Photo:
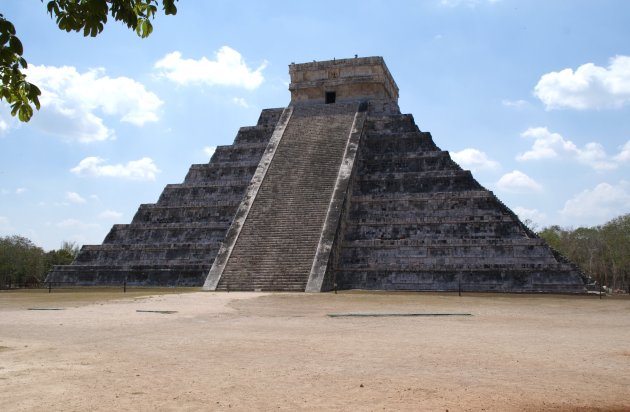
x=70 y=297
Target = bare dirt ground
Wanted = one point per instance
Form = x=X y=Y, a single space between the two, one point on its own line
x=257 y=351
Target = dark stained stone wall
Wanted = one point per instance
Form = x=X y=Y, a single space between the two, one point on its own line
x=417 y=221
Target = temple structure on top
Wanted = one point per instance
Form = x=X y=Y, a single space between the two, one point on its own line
x=337 y=190
x=342 y=81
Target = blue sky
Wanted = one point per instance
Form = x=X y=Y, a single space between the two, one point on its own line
x=532 y=96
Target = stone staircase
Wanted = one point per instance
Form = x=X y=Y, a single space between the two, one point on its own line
x=174 y=241
x=417 y=221
x=277 y=244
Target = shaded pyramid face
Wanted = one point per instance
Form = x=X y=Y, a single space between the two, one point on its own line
x=338 y=190
x=174 y=241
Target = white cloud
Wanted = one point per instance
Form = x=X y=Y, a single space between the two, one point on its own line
x=534 y=215
x=77 y=224
x=240 y=102
x=474 y=160
x=624 y=154
x=603 y=202
x=110 y=214
x=20 y=190
x=468 y=3
x=515 y=104
x=588 y=87
x=518 y=182
x=548 y=145
x=73 y=102
x=5 y=120
x=74 y=197
x=209 y=150
x=228 y=69
x=142 y=169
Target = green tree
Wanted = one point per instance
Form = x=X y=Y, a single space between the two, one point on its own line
x=552 y=235
x=62 y=256
x=87 y=16
x=602 y=251
x=21 y=262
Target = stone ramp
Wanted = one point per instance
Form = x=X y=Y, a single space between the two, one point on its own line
x=277 y=243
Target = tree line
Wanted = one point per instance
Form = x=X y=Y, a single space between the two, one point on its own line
x=603 y=252
x=23 y=264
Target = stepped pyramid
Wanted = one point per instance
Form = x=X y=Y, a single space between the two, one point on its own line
x=337 y=190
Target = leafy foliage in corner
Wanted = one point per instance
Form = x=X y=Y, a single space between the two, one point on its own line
x=90 y=16
x=14 y=88
x=87 y=16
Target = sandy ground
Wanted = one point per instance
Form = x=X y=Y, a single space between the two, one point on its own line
x=256 y=351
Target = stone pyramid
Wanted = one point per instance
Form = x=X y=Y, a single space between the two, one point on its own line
x=337 y=190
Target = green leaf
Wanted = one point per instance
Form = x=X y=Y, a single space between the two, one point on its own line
x=26 y=112
x=6 y=26
x=16 y=45
x=15 y=107
x=169 y=7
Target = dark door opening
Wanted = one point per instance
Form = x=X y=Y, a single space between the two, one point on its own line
x=330 y=97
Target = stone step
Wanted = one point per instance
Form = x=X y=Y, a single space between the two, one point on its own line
x=135 y=275
x=238 y=153
x=398 y=143
x=126 y=234
x=454 y=253
x=426 y=219
x=283 y=226
x=414 y=197
x=454 y=265
x=148 y=255
x=426 y=163
x=382 y=183
x=225 y=184
x=183 y=193
x=391 y=123
x=507 y=229
x=370 y=175
x=446 y=242
x=206 y=172
x=479 y=280
x=157 y=214
x=393 y=209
